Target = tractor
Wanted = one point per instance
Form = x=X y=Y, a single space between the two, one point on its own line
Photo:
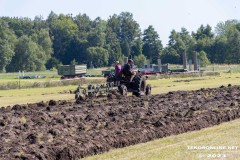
x=137 y=86
x=120 y=83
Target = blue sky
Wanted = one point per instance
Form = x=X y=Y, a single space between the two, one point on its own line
x=164 y=15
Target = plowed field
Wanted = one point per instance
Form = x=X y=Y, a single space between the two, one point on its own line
x=62 y=130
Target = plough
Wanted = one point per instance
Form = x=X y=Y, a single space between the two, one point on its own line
x=95 y=90
x=121 y=84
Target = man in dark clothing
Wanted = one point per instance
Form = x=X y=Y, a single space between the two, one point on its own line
x=127 y=70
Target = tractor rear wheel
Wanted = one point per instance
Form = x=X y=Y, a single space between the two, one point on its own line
x=139 y=85
x=91 y=87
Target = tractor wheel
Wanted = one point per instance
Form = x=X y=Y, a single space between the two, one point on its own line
x=90 y=87
x=123 y=90
x=139 y=85
x=77 y=94
x=148 y=89
x=143 y=85
x=79 y=98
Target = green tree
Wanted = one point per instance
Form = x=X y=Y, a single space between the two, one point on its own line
x=203 y=32
x=42 y=38
x=98 y=56
x=205 y=40
x=140 y=60
x=220 y=48
x=169 y=55
x=204 y=61
x=40 y=23
x=29 y=56
x=53 y=63
x=21 y=26
x=63 y=29
x=175 y=48
x=226 y=44
x=96 y=36
x=223 y=27
x=188 y=42
x=152 y=46
x=128 y=32
x=7 y=44
x=137 y=47
x=73 y=62
x=113 y=46
x=234 y=46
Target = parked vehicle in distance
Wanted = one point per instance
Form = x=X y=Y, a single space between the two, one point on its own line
x=72 y=71
x=106 y=73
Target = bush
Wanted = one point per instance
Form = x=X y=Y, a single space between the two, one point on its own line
x=9 y=85
x=140 y=60
x=204 y=61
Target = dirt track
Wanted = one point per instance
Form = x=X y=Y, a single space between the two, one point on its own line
x=64 y=130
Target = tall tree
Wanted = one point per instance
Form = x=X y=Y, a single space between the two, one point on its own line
x=188 y=42
x=96 y=36
x=140 y=60
x=7 y=44
x=152 y=45
x=113 y=46
x=29 y=56
x=223 y=27
x=205 y=40
x=63 y=29
x=220 y=48
x=42 y=38
x=98 y=56
x=234 y=46
x=204 y=61
x=21 y=26
x=127 y=31
x=130 y=30
x=203 y=32
x=39 y=23
x=170 y=55
x=176 y=47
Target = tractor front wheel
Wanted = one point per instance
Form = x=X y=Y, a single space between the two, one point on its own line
x=139 y=85
x=123 y=90
x=148 y=89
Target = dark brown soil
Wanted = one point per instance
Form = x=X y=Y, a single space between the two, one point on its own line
x=63 y=130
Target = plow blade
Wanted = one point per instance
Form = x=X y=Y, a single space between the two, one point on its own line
x=95 y=90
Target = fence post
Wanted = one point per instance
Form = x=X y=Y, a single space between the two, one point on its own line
x=19 y=85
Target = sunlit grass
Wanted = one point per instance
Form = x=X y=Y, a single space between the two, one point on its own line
x=193 y=83
x=176 y=147
x=23 y=96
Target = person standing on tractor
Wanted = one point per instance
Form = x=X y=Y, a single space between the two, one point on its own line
x=128 y=70
x=118 y=68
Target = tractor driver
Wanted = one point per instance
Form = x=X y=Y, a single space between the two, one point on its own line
x=127 y=70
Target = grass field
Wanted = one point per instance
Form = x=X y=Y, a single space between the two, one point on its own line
x=23 y=96
x=193 y=83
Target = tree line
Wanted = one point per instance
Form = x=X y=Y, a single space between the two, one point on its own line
x=38 y=44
